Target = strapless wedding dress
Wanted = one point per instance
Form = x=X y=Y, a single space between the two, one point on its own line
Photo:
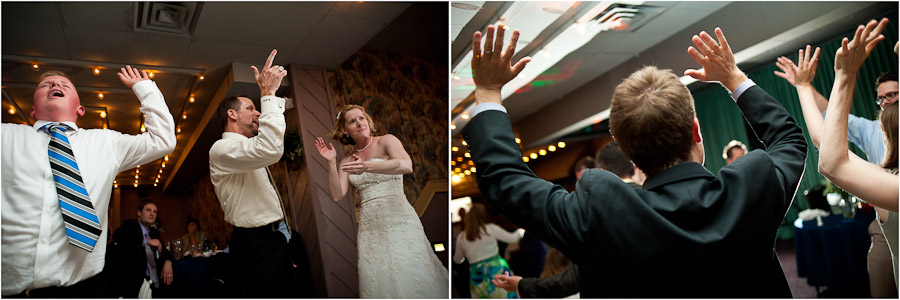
x=396 y=260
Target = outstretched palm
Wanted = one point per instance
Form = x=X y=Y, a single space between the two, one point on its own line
x=491 y=68
x=326 y=150
x=130 y=76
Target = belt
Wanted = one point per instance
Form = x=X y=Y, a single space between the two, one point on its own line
x=266 y=228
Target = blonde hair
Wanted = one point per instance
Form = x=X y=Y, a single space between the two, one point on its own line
x=651 y=116
x=54 y=73
x=336 y=133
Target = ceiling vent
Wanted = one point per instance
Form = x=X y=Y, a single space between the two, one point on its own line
x=175 y=18
x=629 y=17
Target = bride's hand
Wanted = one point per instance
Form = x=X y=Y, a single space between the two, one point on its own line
x=326 y=150
x=357 y=166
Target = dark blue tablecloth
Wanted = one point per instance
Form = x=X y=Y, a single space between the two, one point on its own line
x=834 y=254
x=199 y=276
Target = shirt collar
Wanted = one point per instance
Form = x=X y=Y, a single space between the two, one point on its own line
x=683 y=171
x=233 y=136
x=40 y=123
x=144 y=229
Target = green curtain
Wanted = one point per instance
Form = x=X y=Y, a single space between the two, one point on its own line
x=721 y=121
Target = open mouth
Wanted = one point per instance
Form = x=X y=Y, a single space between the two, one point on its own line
x=56 y=93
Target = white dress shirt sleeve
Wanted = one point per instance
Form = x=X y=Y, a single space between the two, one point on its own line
x=736 y=94
x=159 y=140
x=238 y=156
x=487 y=106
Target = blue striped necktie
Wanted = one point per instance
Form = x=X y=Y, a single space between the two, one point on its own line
x=82 y=225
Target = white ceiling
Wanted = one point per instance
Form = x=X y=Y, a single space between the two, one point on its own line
x=75 y=36
x=543 y=114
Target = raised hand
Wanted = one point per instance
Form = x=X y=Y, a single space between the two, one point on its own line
x=327 y=152
x=491 y=68
x=853 y=53
x=716 y=59
x=802 y=74
x=270 y=78
x=130 y=76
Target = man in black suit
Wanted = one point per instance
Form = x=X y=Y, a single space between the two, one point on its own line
x=136 y=254
x=687 y=233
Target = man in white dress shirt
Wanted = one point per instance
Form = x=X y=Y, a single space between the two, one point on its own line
x=42 y=254
x=252 y=141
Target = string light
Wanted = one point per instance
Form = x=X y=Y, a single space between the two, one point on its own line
x=454 y=149
x=467 y=154
x=96 y=71
x=143 y=129
x=457 y=170
x=35 y=67
x=467 y=172
x=12 y=111
x=452 y=162
x=542 y=152
x=561 y=145
x=455 y=178
x=525 y=158
x=452 y=127
x=533 y=155
x=191 y=100
x=135 y=176
x=166 y=158
x=103 y=115
x=115 y=185
x=105 y=126
x=100 y=96
x=163 y=165
x=184 y=115
x=135 y=184
x=551 y=148
x=202 y=77
x=464 y=143
x=472 y=169
x=150 y=74
x=518 y=141
x=178 y=130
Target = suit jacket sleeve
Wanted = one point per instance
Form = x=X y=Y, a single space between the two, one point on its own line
x=548 y=211
x=560 y=285
x=783 y=139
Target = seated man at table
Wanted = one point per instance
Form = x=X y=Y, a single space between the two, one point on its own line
x=687 y=233
x=136 y=257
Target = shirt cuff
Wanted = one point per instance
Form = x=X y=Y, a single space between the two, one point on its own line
x=487 y=106
x=736 y=94
x=271 y=104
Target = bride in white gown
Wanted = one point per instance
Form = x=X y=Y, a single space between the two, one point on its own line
x=395 y=257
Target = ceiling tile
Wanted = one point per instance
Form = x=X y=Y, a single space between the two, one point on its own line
x=339 y=34
x=283 y=25
x=210 y=55
x=39 y=40
x=372 y=11
x=127 y=47
x=98 y=15
x=32 y=12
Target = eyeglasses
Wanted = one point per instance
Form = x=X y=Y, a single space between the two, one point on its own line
x=881 y=99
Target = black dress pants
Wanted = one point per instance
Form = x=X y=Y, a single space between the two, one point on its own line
x=261 y=263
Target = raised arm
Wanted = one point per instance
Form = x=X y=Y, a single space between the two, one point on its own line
x=159 y=139
x=551 y=213
x=800 y=76
x=338 y=181
x=267 y=146
x=773 y=126
x=862 y=179
x=398 y=161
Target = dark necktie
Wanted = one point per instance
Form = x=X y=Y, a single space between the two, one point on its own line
x=82 y=225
